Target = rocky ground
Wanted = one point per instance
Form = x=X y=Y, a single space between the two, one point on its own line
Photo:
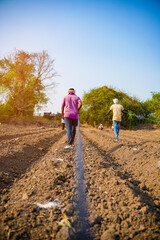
x=122 y=184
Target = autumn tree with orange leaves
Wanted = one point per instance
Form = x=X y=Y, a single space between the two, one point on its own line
x=24 y=79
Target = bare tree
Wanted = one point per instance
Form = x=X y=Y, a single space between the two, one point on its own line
x=25 y=78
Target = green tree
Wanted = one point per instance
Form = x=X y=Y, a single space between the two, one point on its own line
x=24 y=79
x=153 y=106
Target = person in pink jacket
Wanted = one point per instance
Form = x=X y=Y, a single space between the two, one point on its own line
x=71 y=105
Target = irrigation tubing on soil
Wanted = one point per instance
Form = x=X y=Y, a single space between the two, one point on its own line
x=141 y=117
x=81 y=203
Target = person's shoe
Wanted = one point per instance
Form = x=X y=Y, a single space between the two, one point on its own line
x=68 y=147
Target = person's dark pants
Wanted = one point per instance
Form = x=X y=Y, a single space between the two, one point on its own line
x=71 y=129
x=63 y=125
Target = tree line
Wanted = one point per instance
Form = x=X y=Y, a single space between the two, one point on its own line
x=98 y=101
x=25 y=78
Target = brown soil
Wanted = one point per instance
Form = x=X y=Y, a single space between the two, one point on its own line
x=122 y=183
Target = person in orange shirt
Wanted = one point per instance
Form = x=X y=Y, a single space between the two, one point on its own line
x=117 y=110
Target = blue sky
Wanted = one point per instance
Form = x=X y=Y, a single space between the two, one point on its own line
x=94 y=43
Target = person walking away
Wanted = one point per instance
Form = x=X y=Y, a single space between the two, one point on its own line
x=71 y=105
x=100 y=127
x=117 y=110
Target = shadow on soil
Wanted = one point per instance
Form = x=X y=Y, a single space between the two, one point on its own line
x=12 y=166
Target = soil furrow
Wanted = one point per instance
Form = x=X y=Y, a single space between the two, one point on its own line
x=46 y=181
x=10 y=137
x=17 y=161
x=124 y=210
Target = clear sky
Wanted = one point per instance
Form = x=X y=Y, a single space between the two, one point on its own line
x=94 y=42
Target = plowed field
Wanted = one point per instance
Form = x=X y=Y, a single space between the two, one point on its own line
x=122 y=184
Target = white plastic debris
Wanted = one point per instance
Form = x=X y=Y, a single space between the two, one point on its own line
x=59 y=159
x=48 y=205
x=135 y=149
x=65 y=223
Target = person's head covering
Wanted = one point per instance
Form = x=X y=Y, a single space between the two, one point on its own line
x=115 y=100
x=71 y=90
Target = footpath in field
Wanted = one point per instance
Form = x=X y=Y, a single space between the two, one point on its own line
x=122 y=186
